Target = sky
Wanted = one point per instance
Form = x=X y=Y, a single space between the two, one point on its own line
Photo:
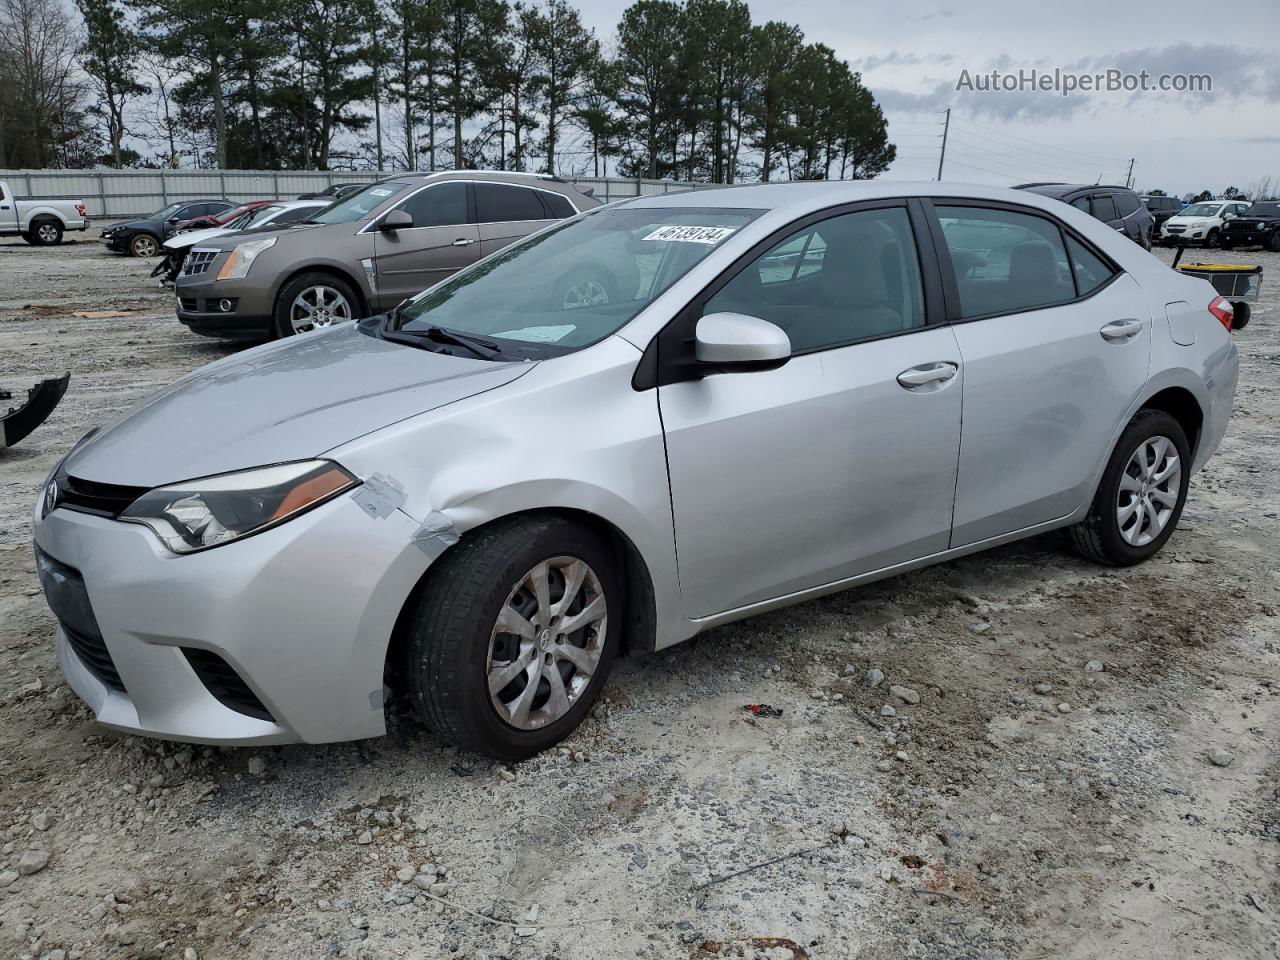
x=913 y=53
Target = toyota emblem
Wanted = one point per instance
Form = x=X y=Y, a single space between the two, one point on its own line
x=50 y=496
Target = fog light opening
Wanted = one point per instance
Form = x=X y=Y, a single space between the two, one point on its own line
x=225 y=306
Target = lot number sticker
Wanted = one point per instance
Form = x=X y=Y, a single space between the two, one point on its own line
x=678 y=234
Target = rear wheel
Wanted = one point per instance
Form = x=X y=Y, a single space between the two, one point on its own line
x=1142 y=492
x=514 y=636
x=313 y=301
x=45 y=233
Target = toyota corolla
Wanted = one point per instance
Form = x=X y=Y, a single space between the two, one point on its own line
x=485 y=495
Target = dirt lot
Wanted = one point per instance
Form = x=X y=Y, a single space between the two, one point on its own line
x=1058 y=790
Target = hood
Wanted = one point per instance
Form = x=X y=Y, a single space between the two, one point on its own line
x=1182 y=218
x=192 y=237
x=289 y=400
x=144 y=224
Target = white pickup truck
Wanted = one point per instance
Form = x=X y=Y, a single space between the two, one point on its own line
x=41 y=222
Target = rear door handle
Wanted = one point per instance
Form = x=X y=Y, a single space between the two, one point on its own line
x=927 y=373
x=1120 y=330
x=463 y=242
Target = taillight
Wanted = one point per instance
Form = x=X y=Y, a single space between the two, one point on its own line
x=1222 y=311
x=81 y=209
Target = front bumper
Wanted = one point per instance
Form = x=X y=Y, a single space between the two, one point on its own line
x=199 y=308
x=302 y=613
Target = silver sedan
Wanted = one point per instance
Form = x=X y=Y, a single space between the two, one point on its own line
x=763 y=394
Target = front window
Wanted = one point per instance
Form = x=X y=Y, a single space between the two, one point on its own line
x=166 y=213
x=359 y=205
x=1202 y=210
x=575 y=284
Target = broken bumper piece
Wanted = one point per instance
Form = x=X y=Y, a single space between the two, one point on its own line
x=41 y=401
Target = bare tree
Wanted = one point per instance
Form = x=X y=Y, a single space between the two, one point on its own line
x=41 y=100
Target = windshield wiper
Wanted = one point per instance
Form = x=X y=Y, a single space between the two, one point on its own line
x=483 y=349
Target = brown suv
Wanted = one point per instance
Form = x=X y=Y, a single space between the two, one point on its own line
x=364 y=253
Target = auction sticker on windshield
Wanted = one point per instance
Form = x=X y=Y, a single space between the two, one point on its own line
x=679 y=234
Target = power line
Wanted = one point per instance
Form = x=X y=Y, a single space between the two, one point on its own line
x=1043 y=146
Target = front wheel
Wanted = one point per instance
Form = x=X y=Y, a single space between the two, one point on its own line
x=1142 y=493
x=1273 y=243
x=313 y=301
x=514 y=635
x=1211 y=241
x=144 y=245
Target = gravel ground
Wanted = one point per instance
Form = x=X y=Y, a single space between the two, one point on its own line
x=1083 y=762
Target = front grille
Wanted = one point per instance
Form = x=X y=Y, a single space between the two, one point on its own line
x=93 y=653
x=198 y=262
x=190 y=304
x=100 y=499
x=221 y=680
x=1175 y=229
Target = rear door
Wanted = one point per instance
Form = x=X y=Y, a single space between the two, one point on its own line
x=843 y=460
x=1055 y=341
x=441 y=242
x=506 y=213
x=1103 y=207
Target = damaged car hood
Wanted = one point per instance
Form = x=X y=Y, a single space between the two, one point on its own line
x=290 y=400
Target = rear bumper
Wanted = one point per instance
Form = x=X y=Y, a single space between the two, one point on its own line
x=301 y=613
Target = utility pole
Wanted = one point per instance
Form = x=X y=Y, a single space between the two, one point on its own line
x=1128 y=178
x=946 y=125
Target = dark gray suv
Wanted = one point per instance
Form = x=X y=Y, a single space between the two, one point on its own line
x=366 y=252
x=1117 y=207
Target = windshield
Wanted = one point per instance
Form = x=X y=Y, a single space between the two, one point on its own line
x=229 y=215
x=358 y=205
x=257 y=215
x=1264 y=210
x=166 y=213
x=575 y=284
x=1201 y=210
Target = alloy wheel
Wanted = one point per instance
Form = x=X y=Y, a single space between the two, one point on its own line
x=47 y=233
x=585 y=293
x=317 y=307
x=545 y=646
x=1149 y=490
x=145 y=247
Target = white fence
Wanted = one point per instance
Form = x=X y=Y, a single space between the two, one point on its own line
x=128 y=193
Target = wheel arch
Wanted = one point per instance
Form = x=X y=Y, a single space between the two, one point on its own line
x=640 y=631
x=333 y=269
x=1181 y=404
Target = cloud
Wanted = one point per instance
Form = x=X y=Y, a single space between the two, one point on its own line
x=895 y=59
x=1014 y=105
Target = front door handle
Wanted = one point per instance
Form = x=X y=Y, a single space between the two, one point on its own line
x=926 y=374
x=1117 y=331
x=463 y=242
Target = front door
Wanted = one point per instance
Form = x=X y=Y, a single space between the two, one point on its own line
x=843 y=460
x=1056 y=347
x=440 y=243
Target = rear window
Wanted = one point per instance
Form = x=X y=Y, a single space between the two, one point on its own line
x=1127 y=203
x=557 y=206
x=1263 y=210
x=1104 y=208
x=500 y=203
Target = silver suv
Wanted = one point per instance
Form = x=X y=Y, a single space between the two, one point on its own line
x=366 y=252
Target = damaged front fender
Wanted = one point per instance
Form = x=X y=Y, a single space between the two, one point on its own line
x=41 y=401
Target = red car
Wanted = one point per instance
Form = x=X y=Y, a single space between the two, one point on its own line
x=223 y=218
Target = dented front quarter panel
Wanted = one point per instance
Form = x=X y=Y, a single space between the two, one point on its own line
x=570 y=434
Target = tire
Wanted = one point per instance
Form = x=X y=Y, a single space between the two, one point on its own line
x=585 y=286
x=144 y=245
x=454 y=645
x=1273 y=242
x=1226 y=245
x=1101 y=536
x=45 y=233
x=336 y=304
x=1211 y=241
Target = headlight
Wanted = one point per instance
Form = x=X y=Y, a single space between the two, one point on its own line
x=211 y=511
x=242 y=258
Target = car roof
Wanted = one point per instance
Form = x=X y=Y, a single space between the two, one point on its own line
x=1066 y=189
x=800 y=197
x=545 y=181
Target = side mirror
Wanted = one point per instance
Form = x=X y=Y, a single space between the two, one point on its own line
x=395 y=220
x=737 y=343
